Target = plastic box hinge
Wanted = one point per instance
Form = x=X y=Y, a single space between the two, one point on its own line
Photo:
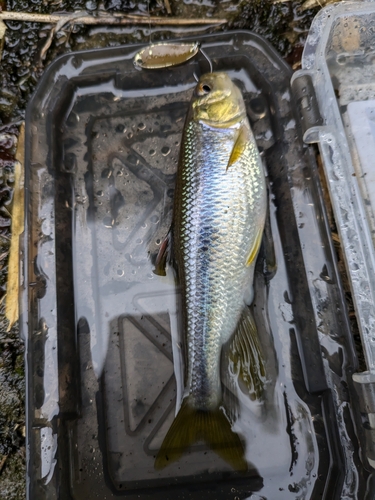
x=304 y=92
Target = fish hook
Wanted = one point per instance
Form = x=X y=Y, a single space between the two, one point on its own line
x=207 y=58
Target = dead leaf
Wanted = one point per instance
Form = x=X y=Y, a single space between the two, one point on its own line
x=12 y=297
x=2 y=36
x=2 y=462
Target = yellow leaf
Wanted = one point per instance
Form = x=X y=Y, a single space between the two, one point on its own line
x=12 y=307
x=2 y=36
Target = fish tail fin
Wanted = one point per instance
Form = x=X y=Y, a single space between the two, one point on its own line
x=211 y=426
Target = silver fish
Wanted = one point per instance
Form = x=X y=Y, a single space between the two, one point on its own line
x=219 y=215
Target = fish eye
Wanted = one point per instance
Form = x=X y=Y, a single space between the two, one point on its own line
x=203 y=89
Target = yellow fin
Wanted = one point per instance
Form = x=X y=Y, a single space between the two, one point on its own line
x=255 y=248
x=245 y=356
x=239 y=145
x=212 y=427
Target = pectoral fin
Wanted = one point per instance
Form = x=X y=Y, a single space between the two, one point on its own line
x=255 y=248
x=239 y=146
x=164 y=255
x=245 y=356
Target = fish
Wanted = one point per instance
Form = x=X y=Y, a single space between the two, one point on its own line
x=219 y=211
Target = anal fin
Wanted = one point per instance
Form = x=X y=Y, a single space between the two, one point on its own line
x=245 y=356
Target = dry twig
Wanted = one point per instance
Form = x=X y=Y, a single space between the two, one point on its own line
x=104 y=18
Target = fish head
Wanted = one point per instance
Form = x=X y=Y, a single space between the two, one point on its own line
x=217 y=101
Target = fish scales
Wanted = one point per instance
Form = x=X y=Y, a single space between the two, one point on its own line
x=217 y=214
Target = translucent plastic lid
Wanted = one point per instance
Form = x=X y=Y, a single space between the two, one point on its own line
x=339 y=55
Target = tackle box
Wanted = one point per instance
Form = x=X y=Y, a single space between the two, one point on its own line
x=102 y=330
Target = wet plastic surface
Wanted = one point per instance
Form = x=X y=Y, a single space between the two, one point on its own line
x=102 y=330
x=339 y=57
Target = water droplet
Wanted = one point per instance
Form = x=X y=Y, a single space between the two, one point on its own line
x=133 y=160
x=134 y=271
x=158 y=241
x=141 y=126
x=120 y=128
x=120 y=272
x=144 y=225
x=108 y=221
x=90 y=5
x=99 y=193
x=130 y=135
x=70 y=162
x=154 y=219
x=106 y=173
x=139 y=241
x=165 y=150
x=152 y=152
x=325 y=275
